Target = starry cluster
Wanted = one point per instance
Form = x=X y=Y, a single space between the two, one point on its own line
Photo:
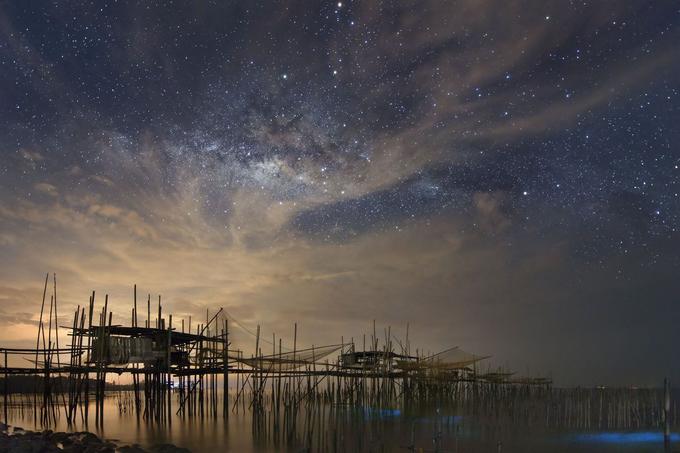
x=254 y=123
x=303 y=102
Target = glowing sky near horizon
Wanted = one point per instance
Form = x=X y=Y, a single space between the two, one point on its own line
x=501 y=175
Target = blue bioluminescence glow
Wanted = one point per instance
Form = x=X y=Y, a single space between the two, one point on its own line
x=450 y=419
x=381 y=413
x=624 y=437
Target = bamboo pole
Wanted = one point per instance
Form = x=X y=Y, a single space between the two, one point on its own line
x=225 y=376
x=169 y=365
x=37 y=346
x=5 y=390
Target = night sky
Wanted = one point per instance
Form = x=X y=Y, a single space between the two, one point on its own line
x=502 y=175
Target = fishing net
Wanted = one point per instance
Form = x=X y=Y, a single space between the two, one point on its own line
x=287 y=361
x=452 y=359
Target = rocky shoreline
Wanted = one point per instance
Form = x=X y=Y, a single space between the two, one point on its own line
x=18 y=440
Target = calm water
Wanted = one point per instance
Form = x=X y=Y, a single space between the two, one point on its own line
x=328 y=428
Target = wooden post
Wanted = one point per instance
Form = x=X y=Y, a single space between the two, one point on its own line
x=278 y=387
x=89 y=358
x=225 y=375
x=135 y=376
x=169 y=383
x=667 y=415
x=79 y=360
x=71 y=374
x=37 y=347
x=5 y=389
x=56 y=334
x=256 y=381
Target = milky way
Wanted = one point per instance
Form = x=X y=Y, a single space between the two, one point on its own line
x=502 y=175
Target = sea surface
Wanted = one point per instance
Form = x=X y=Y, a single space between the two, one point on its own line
x=324 y=427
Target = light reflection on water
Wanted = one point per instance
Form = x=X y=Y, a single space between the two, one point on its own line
x=343 y=428
x=624 y=437
x=381 y=413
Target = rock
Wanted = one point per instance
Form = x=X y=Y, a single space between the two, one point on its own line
x=61 y=438
x=27 y=445
x=131 y=449
x=73 y=448
x=87 y=438
x=19 y=448
x=168 y=448
x=48 y=441
x=101 y=449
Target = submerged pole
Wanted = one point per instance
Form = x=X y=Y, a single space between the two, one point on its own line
x=37 y=347
x=667 y=415
x=169 y=363
x=5 y=390
x=225 y=377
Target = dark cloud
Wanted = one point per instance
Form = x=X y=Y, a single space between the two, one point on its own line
x=430 y=192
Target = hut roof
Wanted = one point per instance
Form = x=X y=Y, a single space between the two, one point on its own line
x=148 y=332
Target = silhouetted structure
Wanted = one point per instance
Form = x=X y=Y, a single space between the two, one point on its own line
x=186 y=362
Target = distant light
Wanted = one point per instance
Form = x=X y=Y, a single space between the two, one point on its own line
x=339 y=4
x=284 y=77
x=525 y=193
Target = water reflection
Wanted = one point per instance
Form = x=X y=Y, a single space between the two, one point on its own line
x=625 y=438
x=520 y=427
x=381 y=413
